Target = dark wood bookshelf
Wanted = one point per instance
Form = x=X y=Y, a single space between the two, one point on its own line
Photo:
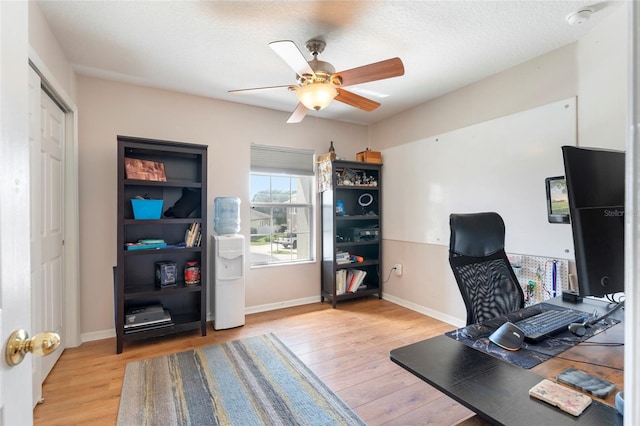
x=185 y=167
x=342 y=231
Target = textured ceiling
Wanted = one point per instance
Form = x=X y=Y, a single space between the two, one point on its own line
x=210 y=47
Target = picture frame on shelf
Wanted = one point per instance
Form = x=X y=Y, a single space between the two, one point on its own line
x=136 y=168
x=557 y=199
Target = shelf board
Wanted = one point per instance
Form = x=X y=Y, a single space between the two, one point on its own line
x=358 y=217
x=178 y=183
x=356 y=265
x=360 y=293
x=151 y=290
x=146 y=252
x=171 y=221
x=359 y=243
x=360 y=187
x=190 y=322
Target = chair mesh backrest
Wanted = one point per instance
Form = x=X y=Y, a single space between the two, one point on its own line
x=487 y=283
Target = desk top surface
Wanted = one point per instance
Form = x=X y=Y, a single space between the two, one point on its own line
x=498 y=391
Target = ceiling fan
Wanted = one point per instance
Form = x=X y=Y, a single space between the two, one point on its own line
x=319 y=83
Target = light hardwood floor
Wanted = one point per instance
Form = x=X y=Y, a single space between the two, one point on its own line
x=347 y=347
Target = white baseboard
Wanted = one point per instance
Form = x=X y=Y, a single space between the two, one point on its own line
x=456 y=322
x=280 y=305
x=97 y=335
x=105 y=334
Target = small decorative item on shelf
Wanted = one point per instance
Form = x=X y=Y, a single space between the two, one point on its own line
x=144 y=170
x=145 y=209
x=365 y=200
x=165 y=274
x=349 y=177
x=331 y=155
x=340 y=208
x=192 y=274
x=369 y=156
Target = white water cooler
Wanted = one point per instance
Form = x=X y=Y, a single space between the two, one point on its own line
x=228 y=269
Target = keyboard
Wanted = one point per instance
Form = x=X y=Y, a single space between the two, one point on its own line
x=548 y=323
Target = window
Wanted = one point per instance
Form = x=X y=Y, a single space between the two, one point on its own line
x=281 y=205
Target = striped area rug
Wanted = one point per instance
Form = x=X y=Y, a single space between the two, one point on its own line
x=253 y=381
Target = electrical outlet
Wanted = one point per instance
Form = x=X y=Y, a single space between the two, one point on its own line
x=398 y=268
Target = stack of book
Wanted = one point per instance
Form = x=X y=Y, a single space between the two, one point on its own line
x=349 y=280
x=355 y=277
x=193 y=236
x=343 y=257
x=147 y=244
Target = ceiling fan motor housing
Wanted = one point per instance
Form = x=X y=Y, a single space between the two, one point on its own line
x=323 y=71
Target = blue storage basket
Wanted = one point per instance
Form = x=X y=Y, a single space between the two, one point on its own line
x=146 y=209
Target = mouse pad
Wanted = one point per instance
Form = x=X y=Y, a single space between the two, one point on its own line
x=529 y=354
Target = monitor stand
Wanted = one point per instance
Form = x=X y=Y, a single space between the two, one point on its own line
x=571 y=296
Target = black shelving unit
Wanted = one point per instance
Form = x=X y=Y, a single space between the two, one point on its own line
x=351 y=223
x=135 y=284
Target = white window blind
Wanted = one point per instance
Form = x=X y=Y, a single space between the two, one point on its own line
x=275 y=159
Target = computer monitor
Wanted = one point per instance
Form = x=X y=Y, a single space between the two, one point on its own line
x=595 y=185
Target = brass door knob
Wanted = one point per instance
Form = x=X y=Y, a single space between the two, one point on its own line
x=19 y=344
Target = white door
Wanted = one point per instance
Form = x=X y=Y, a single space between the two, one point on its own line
x=15 y=311
x=46 y=136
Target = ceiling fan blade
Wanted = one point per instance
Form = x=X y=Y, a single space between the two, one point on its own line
x=357 y=101
x=255 y=89
x=372 y=72
x=298 y=114
x=290 y=53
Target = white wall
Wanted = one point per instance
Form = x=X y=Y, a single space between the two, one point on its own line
x=108 y=109
x=603 y=61
x=45 y=45
x=542 y=80
x=593 y=69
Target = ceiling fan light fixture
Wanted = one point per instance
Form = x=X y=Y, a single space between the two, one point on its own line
x=316 y=95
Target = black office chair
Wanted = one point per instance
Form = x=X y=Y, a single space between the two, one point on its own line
x=480 y=265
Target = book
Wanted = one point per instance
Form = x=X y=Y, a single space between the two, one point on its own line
x=341 y=280
x=343 y=257
x=192 y=236
x=143 y=246
x=355 y=277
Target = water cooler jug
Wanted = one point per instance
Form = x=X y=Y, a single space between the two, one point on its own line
x=227 y=215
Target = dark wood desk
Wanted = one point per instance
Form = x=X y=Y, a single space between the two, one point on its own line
x=497 y=390
x=609 y=360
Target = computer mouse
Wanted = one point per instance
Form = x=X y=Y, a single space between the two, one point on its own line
x=508 y=336
x=577 y=329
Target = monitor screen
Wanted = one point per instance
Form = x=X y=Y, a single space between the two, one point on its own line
x=595 y=186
